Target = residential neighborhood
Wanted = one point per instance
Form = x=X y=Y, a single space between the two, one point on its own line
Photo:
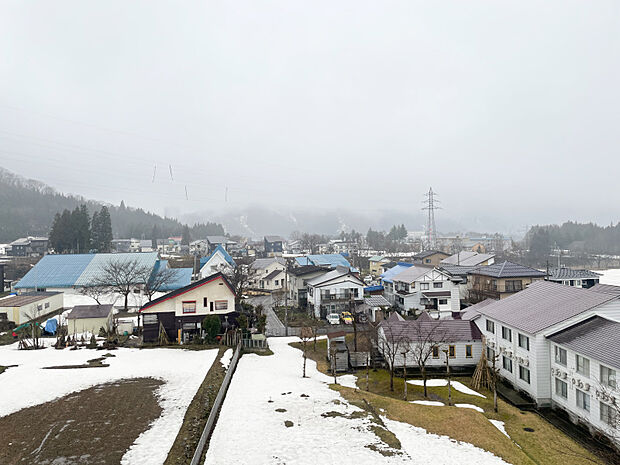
x=309 y=233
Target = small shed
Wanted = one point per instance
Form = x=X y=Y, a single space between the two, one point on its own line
x=337 y=346
x=90 y=318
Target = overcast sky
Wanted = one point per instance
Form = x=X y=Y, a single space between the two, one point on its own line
x=508 y=109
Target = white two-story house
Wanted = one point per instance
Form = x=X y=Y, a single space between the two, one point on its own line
x=419 y=288
x=585 y=362
x=516 y=330
x=268 y=274
x=335 y=291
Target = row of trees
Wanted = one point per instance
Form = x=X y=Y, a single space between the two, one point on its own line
x=75 y=231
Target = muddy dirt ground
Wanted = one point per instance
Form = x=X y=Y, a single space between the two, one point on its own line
x=94 y=426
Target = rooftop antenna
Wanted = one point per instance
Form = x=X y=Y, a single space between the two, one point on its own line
x=154 y=171
x=430 y=205
x=170 y=169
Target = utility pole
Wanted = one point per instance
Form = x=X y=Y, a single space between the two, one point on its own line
x=405 y=372
x=286 y=297
x=445 y=351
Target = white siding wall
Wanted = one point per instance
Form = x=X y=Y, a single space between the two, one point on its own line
x=346 y=282
x=215 y=264
x=590 y=385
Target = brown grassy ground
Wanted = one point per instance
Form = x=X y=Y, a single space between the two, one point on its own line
x=94 y=426
x=546 y=445
x=196 y=416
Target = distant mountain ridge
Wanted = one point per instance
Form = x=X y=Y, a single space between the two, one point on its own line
x=27 y=208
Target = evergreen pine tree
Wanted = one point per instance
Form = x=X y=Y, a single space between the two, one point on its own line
x=185 y=239
x=95 y=230
x=105 y=231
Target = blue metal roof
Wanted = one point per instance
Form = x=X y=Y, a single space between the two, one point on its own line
x=225 y=254
x=330 y=259
x=183 y=278
x=55 y=271
x=389 y=274
x=58 y=271
x=373 y=288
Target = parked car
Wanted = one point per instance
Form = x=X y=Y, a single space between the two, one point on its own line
x=346 y=317
x=333 y=319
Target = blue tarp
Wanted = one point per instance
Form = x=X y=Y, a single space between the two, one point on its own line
x=51 y=326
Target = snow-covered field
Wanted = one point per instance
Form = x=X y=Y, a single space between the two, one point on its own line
x=444 y=382
x=267 y=391
x=182 y=371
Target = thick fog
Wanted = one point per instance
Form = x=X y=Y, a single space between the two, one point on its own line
x=509 y=110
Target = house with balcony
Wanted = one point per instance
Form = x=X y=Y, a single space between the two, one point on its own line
x=501 y=280
x=517 y=330
x=335 y=291
x=585 y=362
x=419 y=288
x=577 y=278
x=298 y=278
x=389 y=289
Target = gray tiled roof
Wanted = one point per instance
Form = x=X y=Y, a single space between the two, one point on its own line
x=262 y=263
x=443 y=330
x=377 y=301
x=606 y=289
x=274 y=239
x=508 y=269
x=89 y=311
x=456 y=270
x=568 y=273
x=595 y=337
x=427 y=253
x=409 y=275
x=543 y=304
x=467 y=258
x=271 y=275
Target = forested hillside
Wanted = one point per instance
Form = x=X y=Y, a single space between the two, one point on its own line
x=28 y=207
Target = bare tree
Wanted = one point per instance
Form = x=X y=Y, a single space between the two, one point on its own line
x=305 y=335
x=240 y=278
x=609 y=396
x=95 y=292
x=392 y=338
x=122 y=277
x=426 y=341
x=159 y=281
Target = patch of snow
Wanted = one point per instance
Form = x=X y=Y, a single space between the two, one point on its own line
x=269 y=391
x=427 y=448
x=182 y=371
x=500 y=425
x=226 y=358
x=474 y=407
x=444 y=382
x=428 y=402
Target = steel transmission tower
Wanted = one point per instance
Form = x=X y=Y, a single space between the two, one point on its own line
x=430 y=205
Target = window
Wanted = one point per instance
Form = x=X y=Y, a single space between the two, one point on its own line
x=507 y=363
x=189 y=306
x=514 y=285
x=524 y=342
x=40 y=307
x=582 y=365
x=424 y=286
x=443 y=301
x=561 y=388
x=221 y=305
x=490 y=326
x=608 y=377
x=451 y=351
x=47 y=305
x=608 y=414
x=437 y=285
x=583 y=400
x=468 y=352
x=507 y=333
x=435 y=352
x=490 y=353
x=204 y=302
x=149 y=319
x=560 y=355
x=428 y=260
x=524 y=374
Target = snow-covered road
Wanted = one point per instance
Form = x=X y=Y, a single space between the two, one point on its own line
x=182 y=371
x=272 y=415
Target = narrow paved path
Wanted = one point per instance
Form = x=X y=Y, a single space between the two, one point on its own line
x=274 y=326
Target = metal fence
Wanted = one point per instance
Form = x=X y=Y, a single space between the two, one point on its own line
x=215 y=409
x=255 y=344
